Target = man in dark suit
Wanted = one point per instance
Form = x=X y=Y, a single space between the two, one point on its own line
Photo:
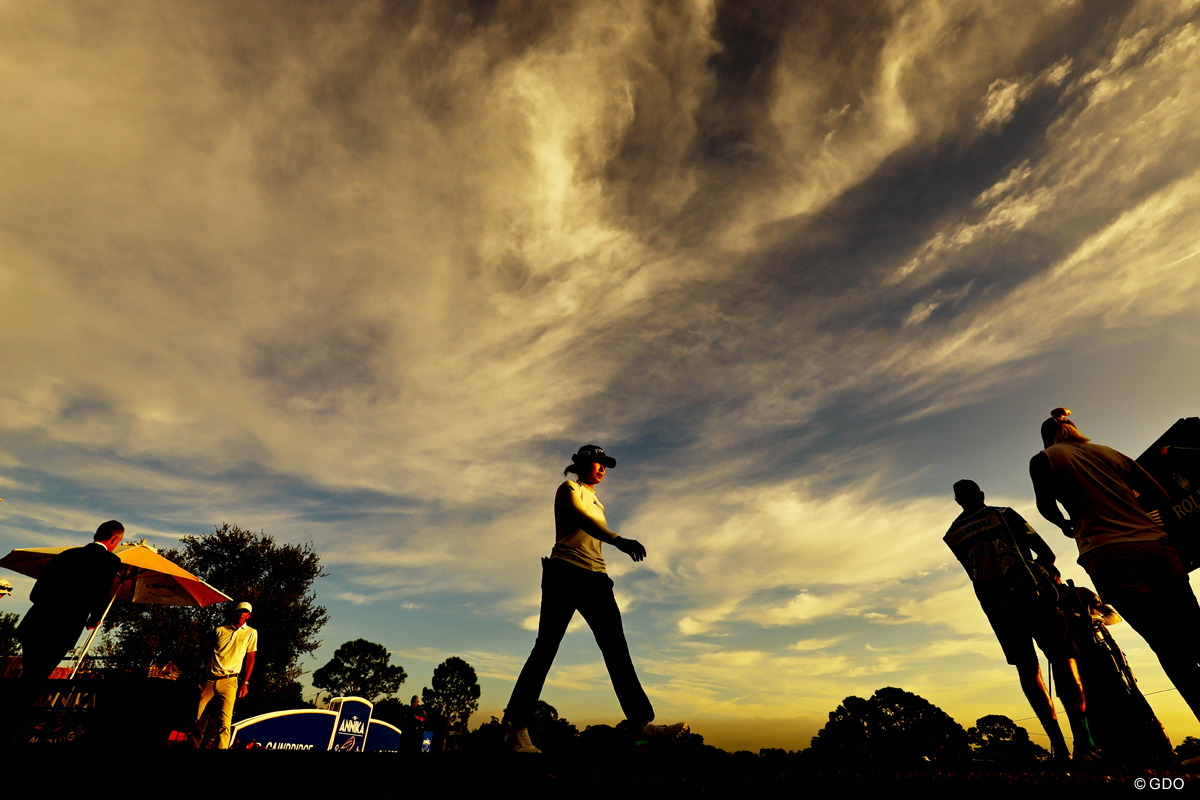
x=72 y=592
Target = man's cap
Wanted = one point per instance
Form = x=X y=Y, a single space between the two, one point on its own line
x=966 y=487
x=593 y=454
x=244 y=606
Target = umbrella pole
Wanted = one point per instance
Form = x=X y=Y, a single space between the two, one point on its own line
x=88 y=644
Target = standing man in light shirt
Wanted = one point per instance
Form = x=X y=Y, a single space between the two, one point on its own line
x=235 y=643
x=1126 y=553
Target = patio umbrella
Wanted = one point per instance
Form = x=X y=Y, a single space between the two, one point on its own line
x=144 y=577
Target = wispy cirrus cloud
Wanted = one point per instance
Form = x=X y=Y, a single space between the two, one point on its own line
x=366 y=274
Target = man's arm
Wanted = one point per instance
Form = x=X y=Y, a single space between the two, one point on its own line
x=245 y=687
x=1032 y=545
x=1045 y=556
x=1043 y=489
x=1144 y=484
x=106 y=587
x=1030 y=540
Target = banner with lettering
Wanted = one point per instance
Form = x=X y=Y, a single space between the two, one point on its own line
x=346 y=725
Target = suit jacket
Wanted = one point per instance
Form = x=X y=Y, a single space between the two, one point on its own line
x=72 y=592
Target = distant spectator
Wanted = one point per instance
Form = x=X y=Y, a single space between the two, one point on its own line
x=416 y=716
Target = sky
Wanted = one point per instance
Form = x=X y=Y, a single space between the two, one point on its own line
x=365 y=274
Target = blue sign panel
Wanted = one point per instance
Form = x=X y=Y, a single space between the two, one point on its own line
x=354 y=715
x=345 y=725
x=303 y=729
x=382 y=736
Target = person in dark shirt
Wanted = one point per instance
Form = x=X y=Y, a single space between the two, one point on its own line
x=415 y=732
x=1012 y=571
x=72 y=592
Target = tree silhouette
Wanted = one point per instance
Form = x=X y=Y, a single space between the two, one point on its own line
x=1188 y=748
x=893 y=727
x=393 y=710
x=9 y=646
x=360 y=669
x=454 y=694
x=487 y=738
x=550 y=732
x=997 y=738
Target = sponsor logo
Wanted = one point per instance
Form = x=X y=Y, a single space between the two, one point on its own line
x=1186 y=506
x=66 y=700
x=353 y=726
x=287 y=746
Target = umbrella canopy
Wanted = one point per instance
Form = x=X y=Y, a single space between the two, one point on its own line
x=145 y=577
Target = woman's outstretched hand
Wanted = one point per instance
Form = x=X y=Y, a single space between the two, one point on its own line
x=631 y=547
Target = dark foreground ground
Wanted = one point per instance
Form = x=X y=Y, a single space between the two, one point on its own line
x=259 y=774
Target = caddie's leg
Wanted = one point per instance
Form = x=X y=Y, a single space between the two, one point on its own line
x=226 y=689
x=1070 y=689
x=1039 y=698
x=207 y=691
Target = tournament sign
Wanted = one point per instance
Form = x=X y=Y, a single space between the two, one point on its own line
x=350 y=734
x=1174 y=461
x=346 y=725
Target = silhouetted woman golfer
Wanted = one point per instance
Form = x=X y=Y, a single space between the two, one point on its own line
x=574 y=579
